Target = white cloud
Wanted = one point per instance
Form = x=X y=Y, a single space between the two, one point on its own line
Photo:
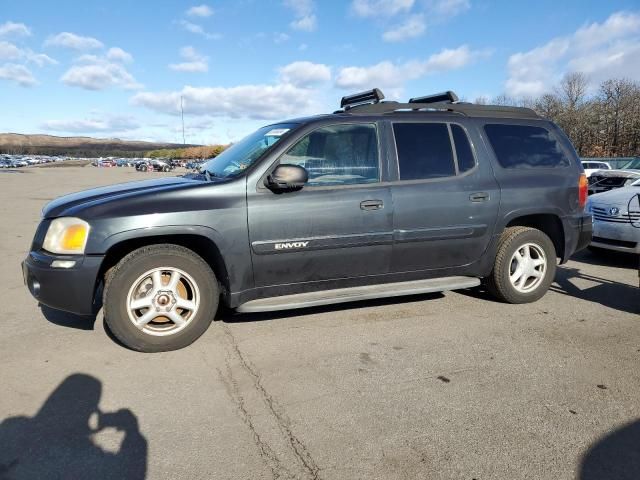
x=600 y=50
x=18 y=74
x=94 y=124
x=308 y=23
x=305 y=18
x=194 y=61
x=73 y=41
x=119 y=55
x=98 y=73
x=393 y=75
x=198 y=30
x=412 y=27
x=279 y=38
x=243 y=101
x=304 y=74
x=200 y=11
x=450 y=8
x=14 y=29
x=381 y=8
x=8 y=51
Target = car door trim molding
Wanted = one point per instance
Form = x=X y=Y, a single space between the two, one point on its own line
x=438 y=233
x=267 y=247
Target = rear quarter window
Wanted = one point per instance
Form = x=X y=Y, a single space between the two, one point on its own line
x=525 y=146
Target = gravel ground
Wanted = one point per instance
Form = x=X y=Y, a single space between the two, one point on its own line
x=439 y=386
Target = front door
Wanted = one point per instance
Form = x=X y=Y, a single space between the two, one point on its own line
x=338 y=226
x=445 y=202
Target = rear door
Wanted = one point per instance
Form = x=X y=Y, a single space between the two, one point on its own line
x=445 y=201
x=339 y=225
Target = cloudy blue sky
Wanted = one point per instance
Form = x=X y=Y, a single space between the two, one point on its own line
x=119 y=68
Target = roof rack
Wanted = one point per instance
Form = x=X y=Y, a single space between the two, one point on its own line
x=362 y=98
x=447 y=96
x=369 y=103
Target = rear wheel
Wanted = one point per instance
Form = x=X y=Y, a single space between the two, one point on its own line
x=525 y=266
x=159 y=298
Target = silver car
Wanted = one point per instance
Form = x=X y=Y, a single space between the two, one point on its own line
x=616 y=219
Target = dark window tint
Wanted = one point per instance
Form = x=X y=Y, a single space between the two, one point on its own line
x=337 y=155
x=522 y=146
x=424 y=150
x=463 y=149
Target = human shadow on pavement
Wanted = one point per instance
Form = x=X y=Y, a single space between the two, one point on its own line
x=615 y=456
x=66 y=319
x=619 y=296
x=59 y=441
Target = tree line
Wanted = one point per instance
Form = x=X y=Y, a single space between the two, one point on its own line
x=191 y=153
x=601 y=123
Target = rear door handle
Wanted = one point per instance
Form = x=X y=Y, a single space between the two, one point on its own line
x=479 y=197
x=371 y=204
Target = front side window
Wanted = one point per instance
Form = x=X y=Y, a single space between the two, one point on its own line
x=424 y=150
x=524 y=146
x=337 y=155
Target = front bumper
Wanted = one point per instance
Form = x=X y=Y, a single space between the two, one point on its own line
x=69 y=289
x=621 y=237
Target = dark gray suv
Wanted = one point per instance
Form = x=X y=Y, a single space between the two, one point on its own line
x=378 y=199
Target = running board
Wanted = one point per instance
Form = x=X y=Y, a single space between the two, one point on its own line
x=353 y=294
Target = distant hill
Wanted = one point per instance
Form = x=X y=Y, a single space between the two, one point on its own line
x=17 y=143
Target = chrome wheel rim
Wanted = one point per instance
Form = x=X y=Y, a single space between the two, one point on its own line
x=163 y=301
x=527 y=267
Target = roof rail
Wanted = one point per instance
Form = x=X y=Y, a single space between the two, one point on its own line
x=362 y=98
x=447 y=96
x=467 y=109
x=369 y=103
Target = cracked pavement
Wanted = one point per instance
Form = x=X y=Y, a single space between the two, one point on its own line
x=438 y=386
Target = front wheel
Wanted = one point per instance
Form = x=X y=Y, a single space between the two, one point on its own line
x=525 y=266
x=160 y=298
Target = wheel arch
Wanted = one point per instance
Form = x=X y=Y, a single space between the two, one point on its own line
x=549 y=223
x=199 y=242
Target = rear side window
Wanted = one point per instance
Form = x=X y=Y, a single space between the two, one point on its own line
x=524 y=146
x=463 y=149
x=424 y=150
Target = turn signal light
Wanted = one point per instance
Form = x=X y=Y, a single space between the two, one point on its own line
x=583 y=190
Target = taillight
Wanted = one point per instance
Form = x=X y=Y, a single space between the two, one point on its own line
x=583 y=190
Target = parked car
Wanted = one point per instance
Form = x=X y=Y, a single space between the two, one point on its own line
x=616 y=219
x=605 y=180
x=17 y=163
x=379 y=199
x=591 y=167
x=153 y=165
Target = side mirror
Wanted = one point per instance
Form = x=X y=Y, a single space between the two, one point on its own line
x=287 y=178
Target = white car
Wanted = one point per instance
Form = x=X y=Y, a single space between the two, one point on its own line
x=591 y=166
x=616 y=219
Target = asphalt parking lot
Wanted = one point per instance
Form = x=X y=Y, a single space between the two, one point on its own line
x=439 y=386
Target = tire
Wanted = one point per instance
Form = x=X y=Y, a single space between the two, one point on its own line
x=165 y=169
x=542 y=259
x=135 y=279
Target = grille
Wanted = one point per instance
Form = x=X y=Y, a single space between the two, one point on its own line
x=611 y=182
x=602 y=214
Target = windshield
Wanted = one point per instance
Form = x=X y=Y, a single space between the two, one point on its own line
x=633 y=164
x=235 y=159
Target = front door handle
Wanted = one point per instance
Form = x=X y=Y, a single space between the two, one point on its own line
x=371 y=204
x=479 y=197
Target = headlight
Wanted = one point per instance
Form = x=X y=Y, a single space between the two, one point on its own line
x=629 y=181
x=66 y=235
